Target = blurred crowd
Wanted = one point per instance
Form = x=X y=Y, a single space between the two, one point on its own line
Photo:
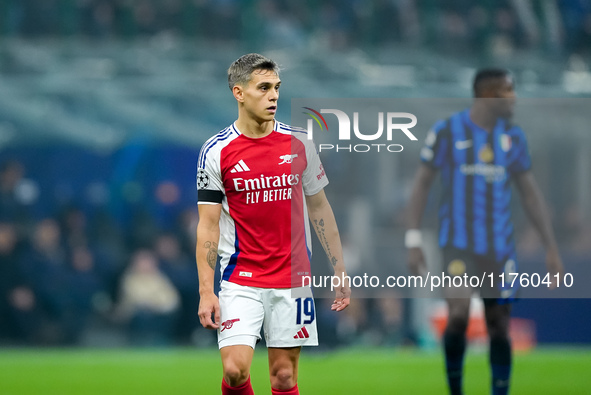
x=63 y=274
x=486 y=26
x=67 y=277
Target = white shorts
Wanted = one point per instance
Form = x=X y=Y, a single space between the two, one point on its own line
x=288 y=316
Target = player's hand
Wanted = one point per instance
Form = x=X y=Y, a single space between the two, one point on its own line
x=209 y=305
x=342 y=296
x=416 y=262
x=554 y=266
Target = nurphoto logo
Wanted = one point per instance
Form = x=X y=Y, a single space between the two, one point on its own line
x=393 y=127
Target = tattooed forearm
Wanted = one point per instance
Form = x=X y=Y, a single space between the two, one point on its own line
x=321 y=232
x=212 y=254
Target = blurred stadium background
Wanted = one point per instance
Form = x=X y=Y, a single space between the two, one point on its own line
x=104 y=105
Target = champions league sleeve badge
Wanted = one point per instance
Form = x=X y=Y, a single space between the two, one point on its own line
x=202 y=179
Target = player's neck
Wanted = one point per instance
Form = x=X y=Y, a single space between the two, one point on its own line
x=254 y=129
x=483 y=118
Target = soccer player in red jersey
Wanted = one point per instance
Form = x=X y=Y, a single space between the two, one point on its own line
x=258 y=180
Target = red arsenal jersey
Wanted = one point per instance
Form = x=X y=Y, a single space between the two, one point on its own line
x=261 y=184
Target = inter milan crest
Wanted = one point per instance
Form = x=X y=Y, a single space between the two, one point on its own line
x=202 y=179
x=486 y=154
x=456 y=267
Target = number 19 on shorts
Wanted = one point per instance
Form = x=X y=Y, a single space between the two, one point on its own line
x=305 y=307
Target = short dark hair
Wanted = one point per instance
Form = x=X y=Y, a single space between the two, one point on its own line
x=240 y=71
x=485 y=75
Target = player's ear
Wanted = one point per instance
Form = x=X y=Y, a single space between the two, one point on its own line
x=238 y=93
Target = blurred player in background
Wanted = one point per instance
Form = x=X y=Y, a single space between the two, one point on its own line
x=479 y=152
x=255 y=180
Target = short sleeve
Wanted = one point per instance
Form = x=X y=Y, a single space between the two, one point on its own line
x=519 y=160
x=436 y=145
x=314 y=177
x=210 y=189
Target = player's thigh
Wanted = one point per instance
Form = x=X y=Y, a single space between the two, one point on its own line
x=237 y=358
x=458 y=310
x=456 y=292
x=290 y=318
x=242 y=315
x=284 y=360
x=457 y=295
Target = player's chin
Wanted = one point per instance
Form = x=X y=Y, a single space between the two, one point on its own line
x=260 y=118
x=268 y=115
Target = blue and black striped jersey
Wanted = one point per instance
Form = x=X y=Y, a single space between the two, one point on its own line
x=476 y=168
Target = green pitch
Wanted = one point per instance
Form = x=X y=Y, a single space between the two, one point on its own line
x=196 y=371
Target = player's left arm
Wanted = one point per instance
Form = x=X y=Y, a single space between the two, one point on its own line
x=322 y=218
x=535 y=206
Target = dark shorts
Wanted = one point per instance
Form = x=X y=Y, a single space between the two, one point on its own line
x=484 y=270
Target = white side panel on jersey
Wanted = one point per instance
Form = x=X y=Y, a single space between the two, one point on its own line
x=307 y=225
x=227 y=244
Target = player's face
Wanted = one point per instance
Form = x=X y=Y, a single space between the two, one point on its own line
x=505 y=106
x=261 y=94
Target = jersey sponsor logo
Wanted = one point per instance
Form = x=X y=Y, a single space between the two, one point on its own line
x=302 y=334
x=262 y=182
x=461 y=145
x=287 y=158
x=228 y=324
x=491 y=173
x=202 y=179
x=267 y=189
x=240 y=167
x=245 y=274
x=321 y=174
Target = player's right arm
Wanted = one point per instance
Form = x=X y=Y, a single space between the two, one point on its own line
x=418 y=200
x=433 y=157
x=208 y=236
x=210 y=195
